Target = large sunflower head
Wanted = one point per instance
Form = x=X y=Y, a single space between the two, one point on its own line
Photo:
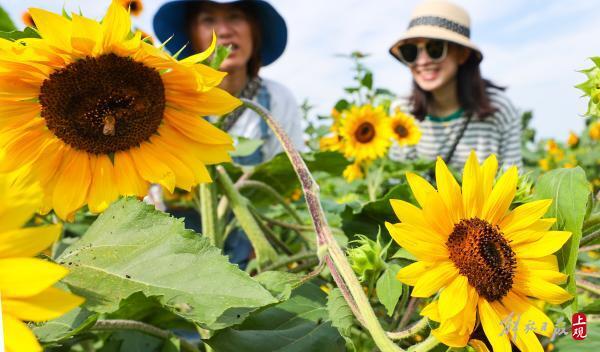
x=406 y=131
x=96 y=112
x=486 y=259
x=26 y=282
x=366 y=132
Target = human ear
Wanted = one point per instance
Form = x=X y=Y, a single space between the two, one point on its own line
x=463 y=54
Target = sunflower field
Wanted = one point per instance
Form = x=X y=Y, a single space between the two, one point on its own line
x=101 y=130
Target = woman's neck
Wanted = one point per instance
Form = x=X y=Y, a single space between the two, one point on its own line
x=235 y=81
x=445 y=100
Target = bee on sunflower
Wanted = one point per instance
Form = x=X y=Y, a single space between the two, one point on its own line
x=25 y=282
x=95 y=112
x=486 y=259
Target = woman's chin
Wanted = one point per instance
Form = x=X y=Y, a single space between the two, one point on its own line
x=429 y=85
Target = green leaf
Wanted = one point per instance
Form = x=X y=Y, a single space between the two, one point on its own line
x=367 y=80
x=132 y=341
x=340 y=313
x=75 y=321
x=28 y=32
x=372 y=216
x=591 y=343
x=389 y=289
x=299 y=324
x=592 y=308
x=134 y=248
x=279 y=283
x=342 y=105
x=568 y=189
x=404 y=254
x=219 y=56
x=6 y=24
x=246 y=146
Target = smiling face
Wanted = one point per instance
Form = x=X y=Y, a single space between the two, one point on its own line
x=232 y=27
x=432 y=76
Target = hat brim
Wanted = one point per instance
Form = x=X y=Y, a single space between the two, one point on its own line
x=170 y=24
x=432 y=32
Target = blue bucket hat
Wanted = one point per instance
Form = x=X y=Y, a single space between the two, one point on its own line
x=169 y=21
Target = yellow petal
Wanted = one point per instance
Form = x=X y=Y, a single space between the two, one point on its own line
x=72 y=184
x=87 y=35
x=550 y=242
x=190 y=159
x=438 y=215
x=524 y=215
x=529 y=312
x=54 y=28
x=492 y=326
x=128 y=180
x=151 y=168
x=116 y=25
x=420 y=187
x=48 y=304
x=524 y=341
x=478 y=345
x=449 y=191
x=18 y=337
x=538 y=288
x=471 y=187
x=487 y=174
x=543 y=224
x=448 y=333
x=437 y=277
x=497 y=204
x=431 y=311
x=25 y=277
x=454 y=297
x=196 y=128
x=410 y=237
x=103 y=189
x=548 y=262
x=203 y=55
x=27 y=242
x=410 y=274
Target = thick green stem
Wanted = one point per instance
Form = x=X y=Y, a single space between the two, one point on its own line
x=239 y=205
x=590 y=238
x=325 y=240
x=120 y=324
x=208 y=213
x=588 y=286
x=409 y=332
x=426 y=345
x=289 y=260
x=273 y=193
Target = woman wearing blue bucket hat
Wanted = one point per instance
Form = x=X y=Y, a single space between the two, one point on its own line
x=257 y=35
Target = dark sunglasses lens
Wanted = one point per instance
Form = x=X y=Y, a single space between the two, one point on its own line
x=435 y=48
x=408 y=52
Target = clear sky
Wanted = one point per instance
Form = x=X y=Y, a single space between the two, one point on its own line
x=533 y=47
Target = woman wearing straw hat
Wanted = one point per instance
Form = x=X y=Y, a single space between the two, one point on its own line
x=257 y=36
x=458 y=111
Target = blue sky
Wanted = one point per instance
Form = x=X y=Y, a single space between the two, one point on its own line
x=533 y=47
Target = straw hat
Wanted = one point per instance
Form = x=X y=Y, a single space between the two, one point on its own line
x=438 y=19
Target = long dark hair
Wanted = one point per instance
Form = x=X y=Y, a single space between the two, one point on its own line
x=473 y=92
x=254 y=63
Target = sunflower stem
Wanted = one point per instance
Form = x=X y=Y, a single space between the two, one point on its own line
x=239 y=205
x=335 y=258
x=411 y=331
x=208 y=213
x=273 y=193
x=121 y=324
x=427 y=345
x=590 y=238
x=588 y=286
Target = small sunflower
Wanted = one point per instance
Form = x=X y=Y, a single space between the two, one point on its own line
x=135 y=7
x=573 y=139
x=333 y=143
x=25 y=282
x=353 y=172
x=366 y=132
x=406 y=131
x=96 y=113
x=595 y=130
x=485 y=258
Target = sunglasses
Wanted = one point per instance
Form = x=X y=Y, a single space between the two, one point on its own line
x=435 y=49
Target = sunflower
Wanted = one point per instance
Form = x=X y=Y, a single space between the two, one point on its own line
x=135 y=7
x=353 y=172
x=332 y=142
x=573 y=139
x=486 y=259
x=406 y=131
x=366 y=132
x=96 y=113
x=26 y=282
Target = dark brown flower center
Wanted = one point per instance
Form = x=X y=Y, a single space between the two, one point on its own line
x=401 y=131
x=103 y=104
x=483 y=255
x=133 y=6
x=365 y=132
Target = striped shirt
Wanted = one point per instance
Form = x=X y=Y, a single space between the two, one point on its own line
x=498 y=134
